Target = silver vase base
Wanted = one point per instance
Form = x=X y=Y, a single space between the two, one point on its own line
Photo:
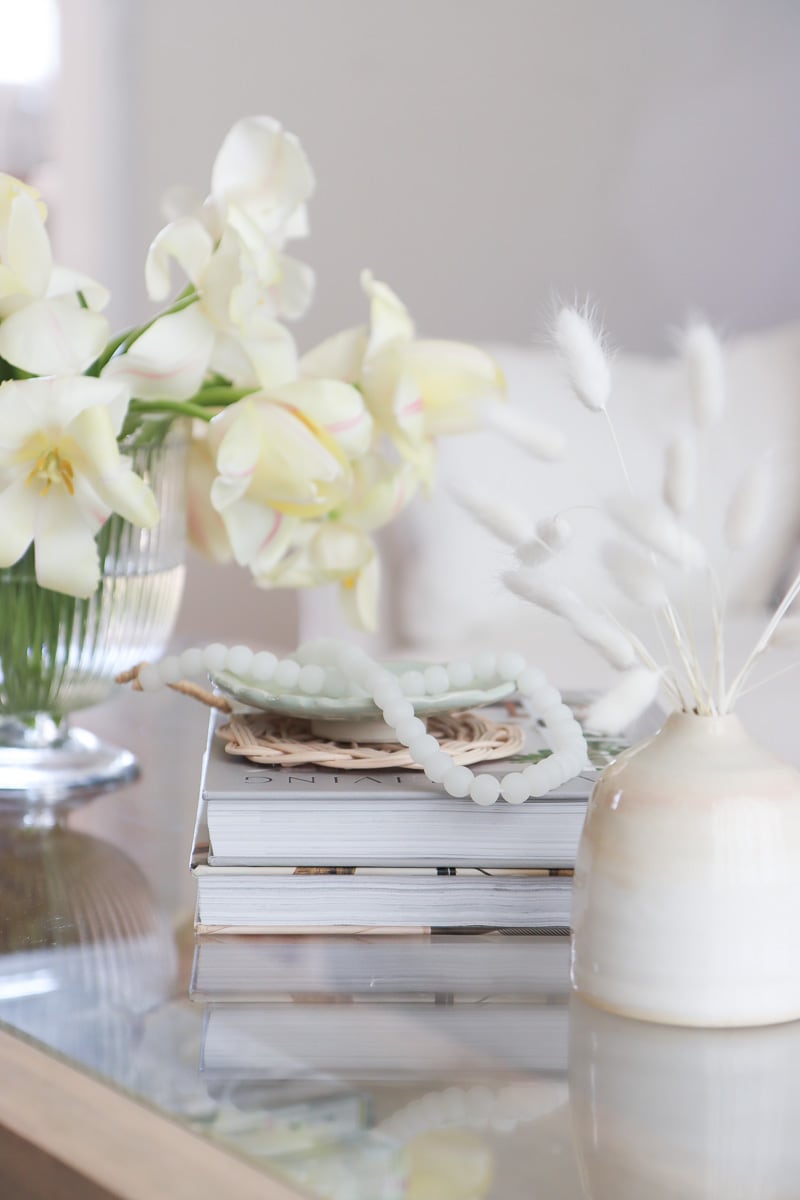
x=37 y=780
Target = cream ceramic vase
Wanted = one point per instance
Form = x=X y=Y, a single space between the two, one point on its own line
x=686 y=906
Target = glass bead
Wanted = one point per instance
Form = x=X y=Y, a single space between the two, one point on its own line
x=287 y=673
x=485 y=789
x=457 y=781
x=239 y=659
x=264 y=664
x=514 y=788
x=215 y=656
x=437 y=680
x=311 y=679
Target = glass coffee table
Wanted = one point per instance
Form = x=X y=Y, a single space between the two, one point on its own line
x=138 y=1061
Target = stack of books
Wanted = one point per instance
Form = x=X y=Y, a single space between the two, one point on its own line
x=286 y=848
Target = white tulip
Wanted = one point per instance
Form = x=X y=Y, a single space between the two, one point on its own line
x=62 y=475
x=44 y=329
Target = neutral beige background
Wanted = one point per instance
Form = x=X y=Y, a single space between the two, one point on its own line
x=482 y=156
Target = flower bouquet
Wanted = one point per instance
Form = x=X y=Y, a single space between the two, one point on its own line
x=289 y=462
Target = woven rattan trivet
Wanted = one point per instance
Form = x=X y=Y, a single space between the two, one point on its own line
x=275 y=740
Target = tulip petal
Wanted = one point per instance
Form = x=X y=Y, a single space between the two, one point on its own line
x=31 y=405
x=258 y=535
x=188 y=243
x=389 y=320
x=264 y=169
x=52 y=337
x=28 y=253
x=454 y=380
x=360 y=598
x=17 y=517
x=169 y=360
x=65 y=282
x=336 y=407
x=339 y=550
x=66 y=551
x=338 y=357
x=108 y=472
x=205 y=527
x=238 y=448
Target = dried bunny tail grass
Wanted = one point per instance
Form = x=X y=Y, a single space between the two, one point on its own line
x=534 y=437
x=555 y=531
x=584 y=356
x=705 y=371
x=504 y=521
x=680 y=474
x=592 y=627
x=552 y=535
x=627 y=700
x=787 y=635
x=636 y=576
x=652 y=524
x=749 y=506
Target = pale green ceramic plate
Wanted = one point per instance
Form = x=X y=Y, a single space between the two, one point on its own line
x=353 y=708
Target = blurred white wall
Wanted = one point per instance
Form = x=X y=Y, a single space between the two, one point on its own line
x=481 y=156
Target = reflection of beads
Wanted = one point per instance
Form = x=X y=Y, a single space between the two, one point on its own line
x=477 y=1107
x=340 y=668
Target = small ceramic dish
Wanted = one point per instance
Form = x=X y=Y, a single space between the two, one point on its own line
x=353 y=718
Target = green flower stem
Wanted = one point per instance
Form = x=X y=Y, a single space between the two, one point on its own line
x=125 y=340
x=181 y=408
x=221 y=395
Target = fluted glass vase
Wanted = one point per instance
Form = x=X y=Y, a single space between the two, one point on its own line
x=59 y=654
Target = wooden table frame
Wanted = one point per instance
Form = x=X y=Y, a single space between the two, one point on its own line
x=64 y=1134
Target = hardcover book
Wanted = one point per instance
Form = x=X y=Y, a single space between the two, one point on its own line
x=273 y=816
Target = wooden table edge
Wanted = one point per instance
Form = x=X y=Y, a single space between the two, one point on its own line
x=64 y=1133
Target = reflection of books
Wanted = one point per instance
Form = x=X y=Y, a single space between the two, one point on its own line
x=243 y=899
x=288 y=815
x=384 y=1041
x=264 y=968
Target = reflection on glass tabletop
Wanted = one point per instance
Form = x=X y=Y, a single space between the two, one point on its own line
x=448 y=1066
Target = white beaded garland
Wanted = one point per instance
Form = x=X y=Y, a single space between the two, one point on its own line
x=287 y=673
x=413 y=683
x=239 y=659
x=335 y=683
x=410 y=729
x=437 y=766
x=264 y=664
x=457 y=781
x=509 y=664
x=485 y=666
x=149 y=678
x=169 y=669
x=216 y=656
x=485 y=789
x=339 y=670
x=461 y=673
x=437 y=680
x=192 y=662
x=397 y=710
x=514 y=787
x=530 y=680
x=311 y=679
x=423 y=748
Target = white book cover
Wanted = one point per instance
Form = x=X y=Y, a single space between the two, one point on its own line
x=275 y=816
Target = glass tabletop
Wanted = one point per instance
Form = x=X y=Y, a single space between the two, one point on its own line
x=450 y=1066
